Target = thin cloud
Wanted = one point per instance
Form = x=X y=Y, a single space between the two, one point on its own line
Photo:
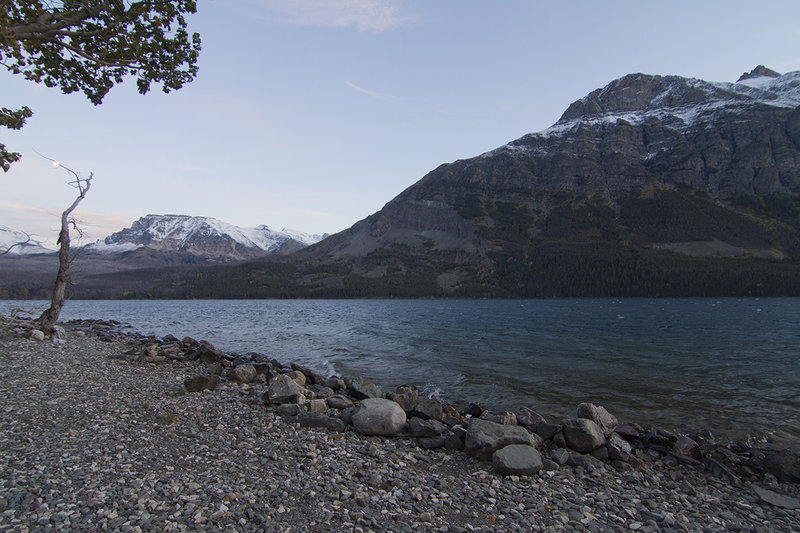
x=365 y=15
x=438 y=108
x=372 y=94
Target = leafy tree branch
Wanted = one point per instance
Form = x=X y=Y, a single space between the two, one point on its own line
x=91 y=45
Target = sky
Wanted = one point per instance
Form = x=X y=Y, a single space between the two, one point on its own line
x=313 y=114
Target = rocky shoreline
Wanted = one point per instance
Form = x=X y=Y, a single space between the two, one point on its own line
x=107 y=429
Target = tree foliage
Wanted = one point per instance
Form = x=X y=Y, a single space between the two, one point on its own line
x=91 y=45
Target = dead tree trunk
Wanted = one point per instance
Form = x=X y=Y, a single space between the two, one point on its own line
x=50 y=316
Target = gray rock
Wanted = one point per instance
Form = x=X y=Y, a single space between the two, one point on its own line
x=579 y=459
x=335 y=383
x=431 y=443
x=517 y=459
x=289 y=409
x=560 y=456
x=426 y=428
x=427 y=408
x=316 y=406
x=297 y=376
x=361 y=389
x=618 y=448
x=686 y=447
x=500 y=417
x=317 y=420
x=484 y=438
x=406 y=396
x=243 y=373
x=778 y=500
x=283 y=389
x=784 y=464
x=627 y=431
x=549 y=465
x=201 y=382
x=207 y=354
x=528 y=418
x=322 y=392
x=583 y=435
x=605 y=420
x=338 y=401
x=454 y=442
x=378 y=416
x=546 y=430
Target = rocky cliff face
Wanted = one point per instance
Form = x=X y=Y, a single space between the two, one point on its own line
x=648 y=162
x=724 y=139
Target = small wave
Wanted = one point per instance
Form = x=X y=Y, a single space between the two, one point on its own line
x=330 y=370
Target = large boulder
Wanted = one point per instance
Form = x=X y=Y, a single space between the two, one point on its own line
x=598 y=414
x=582 y=435
x=517 y=460
x=378 y=416
x=283 y=389
x=484 y=438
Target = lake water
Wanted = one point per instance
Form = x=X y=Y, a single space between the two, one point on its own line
x=730 y=365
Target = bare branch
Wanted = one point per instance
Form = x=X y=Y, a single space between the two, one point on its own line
x=22 y=243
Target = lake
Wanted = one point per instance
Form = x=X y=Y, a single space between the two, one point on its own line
x=729 y=365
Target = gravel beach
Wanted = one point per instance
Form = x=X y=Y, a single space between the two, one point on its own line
x=90 y=441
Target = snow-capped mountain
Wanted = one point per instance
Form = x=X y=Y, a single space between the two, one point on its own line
x=202 y=237
x=18 y=243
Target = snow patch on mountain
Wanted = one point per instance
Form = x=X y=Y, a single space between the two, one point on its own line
x=188 y=233
x=680 y=103
x=11 y=238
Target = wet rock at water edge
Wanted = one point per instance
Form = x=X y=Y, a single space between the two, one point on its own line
x=685 y=447
x=582 y=435
x=378 y=416
x=598 y=414
x=529 y=419
x=500 y=417
x=484 y=438
x=201 y=382
x=361 y=389
x=427 y=408
x=618 y=448
x=517 y=459
x=406 y=396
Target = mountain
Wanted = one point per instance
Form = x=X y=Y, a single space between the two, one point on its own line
x=202 y=238
x=132 y=258
x=652 y=185
x=19 y=243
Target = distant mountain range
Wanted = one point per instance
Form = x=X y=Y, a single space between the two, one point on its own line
x=204 y=238
x=649 y=186
x=152 y=242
